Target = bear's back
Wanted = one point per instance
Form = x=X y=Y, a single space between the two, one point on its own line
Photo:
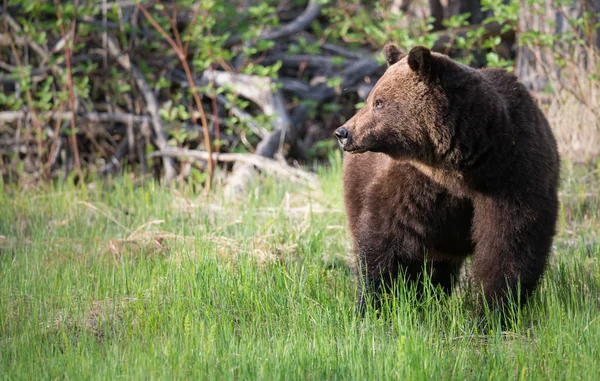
x=522 y=107
x=530 y=131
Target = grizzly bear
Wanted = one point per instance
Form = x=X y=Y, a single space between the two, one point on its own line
x=445 y=161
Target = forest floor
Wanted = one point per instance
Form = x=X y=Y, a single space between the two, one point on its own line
x=137 y=281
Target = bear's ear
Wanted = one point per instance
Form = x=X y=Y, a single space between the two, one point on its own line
x=392 y=54
x=421 y=62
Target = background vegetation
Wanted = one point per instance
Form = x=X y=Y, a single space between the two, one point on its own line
x=91 y=88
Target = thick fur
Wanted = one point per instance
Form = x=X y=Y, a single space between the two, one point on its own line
x=445 y=161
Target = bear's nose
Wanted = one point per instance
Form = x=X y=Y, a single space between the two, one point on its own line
x=341 y=133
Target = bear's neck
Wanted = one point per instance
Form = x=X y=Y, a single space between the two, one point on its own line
x=452 y=180
x=484 y=148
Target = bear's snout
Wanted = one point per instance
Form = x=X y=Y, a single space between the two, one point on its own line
x=341 y=133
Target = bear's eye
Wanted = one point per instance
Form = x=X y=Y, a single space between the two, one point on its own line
x=378 y=104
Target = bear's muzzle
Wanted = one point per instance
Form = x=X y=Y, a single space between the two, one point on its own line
x=341 y=133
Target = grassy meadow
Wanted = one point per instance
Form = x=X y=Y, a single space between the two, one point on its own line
x=130 y=280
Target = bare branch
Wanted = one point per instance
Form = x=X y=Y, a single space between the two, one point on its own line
x=38 y=49
x=97 y=117
x=490 y=30
x=263 y=163
x=151 y=103
x=259 y=90
x=310 y=13
x=68 y=54
x=181 y=54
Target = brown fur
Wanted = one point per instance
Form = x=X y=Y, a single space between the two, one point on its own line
x=447 y=161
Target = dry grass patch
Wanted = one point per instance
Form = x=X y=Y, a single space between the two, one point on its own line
x=66 y=327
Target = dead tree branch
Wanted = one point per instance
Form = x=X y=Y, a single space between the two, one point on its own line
x=181 y=52
x=310 y=13
x=151 y=103
x=300 y=23
x=72 y=106
x=32 y=44
x=443 y=43
x=258 y=90
x=94 y=117
x=263 y=163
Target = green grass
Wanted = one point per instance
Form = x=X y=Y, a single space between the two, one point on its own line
x=141 y=282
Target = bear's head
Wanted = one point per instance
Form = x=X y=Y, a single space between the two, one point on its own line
x=408 y=113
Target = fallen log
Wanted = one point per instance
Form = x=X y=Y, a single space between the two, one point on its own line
x=265 y=164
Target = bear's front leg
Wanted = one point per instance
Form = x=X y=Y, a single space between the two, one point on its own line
x=374 y=272
x=513 y=239
x=379 y=273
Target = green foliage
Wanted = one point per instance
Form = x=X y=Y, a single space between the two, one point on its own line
x=356 y=25
x=569 y=43
x=504 y=12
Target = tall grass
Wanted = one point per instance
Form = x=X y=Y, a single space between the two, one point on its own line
x=136 y=281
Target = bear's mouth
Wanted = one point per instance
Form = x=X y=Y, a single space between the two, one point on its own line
x=355 y=149
x=348 y=145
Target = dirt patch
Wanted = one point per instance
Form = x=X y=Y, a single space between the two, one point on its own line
x=66 y=328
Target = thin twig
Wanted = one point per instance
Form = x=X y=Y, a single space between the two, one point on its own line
x=215 y=112
x=73 y=136
x=51 y=156
x=182 y=57
x=151 y=103
x=36 y=48
x=190 y=27
x=36 y=119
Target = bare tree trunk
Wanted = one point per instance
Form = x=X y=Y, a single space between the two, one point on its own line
x=437 y=12
x=400 y=5
x=564 y=65
x=536 y=62
x=444 y=9
x=474 y=8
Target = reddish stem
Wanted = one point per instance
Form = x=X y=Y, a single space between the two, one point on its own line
x=182 y=57
x=73 y=137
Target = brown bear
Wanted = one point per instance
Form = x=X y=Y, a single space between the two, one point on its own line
x=444 y=161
